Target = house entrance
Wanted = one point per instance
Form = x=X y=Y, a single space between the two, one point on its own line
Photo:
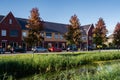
x=3 y=44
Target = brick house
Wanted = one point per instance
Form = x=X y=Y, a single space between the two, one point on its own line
x=12 y=31
x=87 y=36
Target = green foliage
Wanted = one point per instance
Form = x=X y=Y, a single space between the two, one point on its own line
x=35 y=26
x=99 y=32
x=101 y=71
x=116 y=35
x=24 y=65
x=73 y=36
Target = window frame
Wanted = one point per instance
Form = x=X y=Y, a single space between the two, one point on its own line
x=10 y=21
x=48 y=36
x=3 y=32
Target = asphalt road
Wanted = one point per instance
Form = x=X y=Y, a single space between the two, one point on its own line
x=63 y=52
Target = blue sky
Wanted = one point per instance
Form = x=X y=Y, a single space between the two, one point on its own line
x=60 y=11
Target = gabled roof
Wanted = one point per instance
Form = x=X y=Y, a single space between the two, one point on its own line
x=86 y=27
x=2 y=18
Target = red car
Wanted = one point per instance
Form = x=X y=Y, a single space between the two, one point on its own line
x=54 y=49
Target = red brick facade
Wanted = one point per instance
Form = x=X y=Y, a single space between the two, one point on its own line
x=10 y=32
x=90 y=35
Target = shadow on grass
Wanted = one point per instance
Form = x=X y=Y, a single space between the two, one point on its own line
x=72 y=54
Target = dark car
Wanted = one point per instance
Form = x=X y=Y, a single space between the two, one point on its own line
x=90 y=48
x=71 y=48
x=39 y=49
x=54 y=49
x=2 y=51
x=21 y=50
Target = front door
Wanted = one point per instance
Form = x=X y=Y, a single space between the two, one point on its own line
x=3 y=44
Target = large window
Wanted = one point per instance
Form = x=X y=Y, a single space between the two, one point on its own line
x=61 y=36
x=48 y=35
x=3 y=33
x=14 y=33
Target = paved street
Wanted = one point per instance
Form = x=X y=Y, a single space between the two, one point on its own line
x=63 y=52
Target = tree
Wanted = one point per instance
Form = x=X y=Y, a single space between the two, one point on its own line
x=35 y=26
x=116 y=35
x=73 y=36
x=99 y=33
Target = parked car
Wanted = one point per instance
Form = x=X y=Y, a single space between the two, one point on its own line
x=54 y=49
x=71 y=48
x=39 y=49
x=90 y=48
x=2 y=51
x=21 y=50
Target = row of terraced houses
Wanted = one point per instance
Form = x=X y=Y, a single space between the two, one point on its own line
x=12 y=31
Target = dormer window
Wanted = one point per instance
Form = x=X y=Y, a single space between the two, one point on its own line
x=10 y=21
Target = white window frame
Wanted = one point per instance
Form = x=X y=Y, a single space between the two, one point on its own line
x=61 y=36
x=3 y=33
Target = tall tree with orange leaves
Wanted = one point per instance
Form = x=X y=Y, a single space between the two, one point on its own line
x=73 y=36
x=35 y=26
x=116 y=35
x=100 y=33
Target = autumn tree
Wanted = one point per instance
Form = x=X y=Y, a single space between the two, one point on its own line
x=34 y=26
x=73 y=35
x=99 y=33
x=116 y=35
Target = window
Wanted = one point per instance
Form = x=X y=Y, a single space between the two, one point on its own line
x=48 y=35
x=3 y=32
x=61 y=36
x=10 y=21
x=14 y=33
x=24 y=34
x=56 y=35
